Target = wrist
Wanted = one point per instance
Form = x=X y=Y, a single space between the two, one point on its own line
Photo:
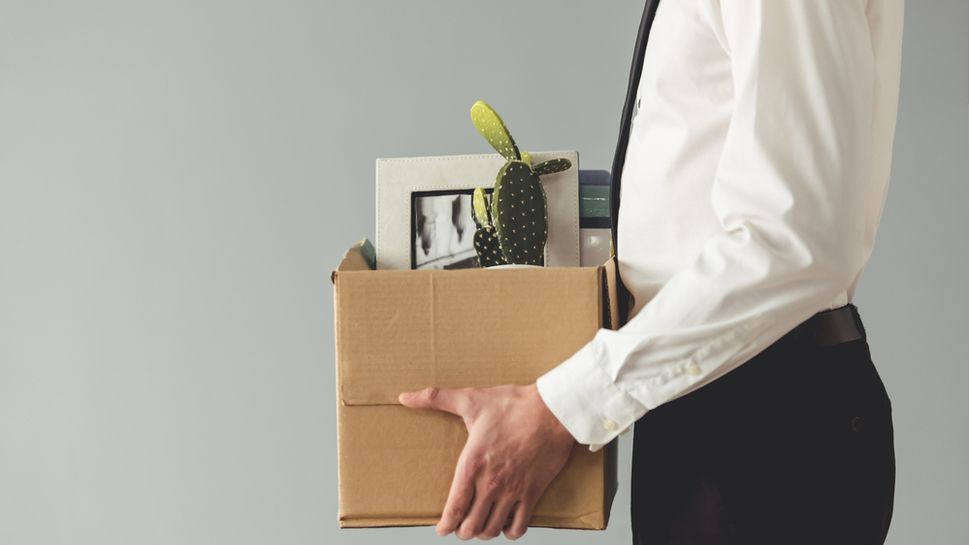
x=556 y=427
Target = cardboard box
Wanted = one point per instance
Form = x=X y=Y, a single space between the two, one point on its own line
x=400 y=330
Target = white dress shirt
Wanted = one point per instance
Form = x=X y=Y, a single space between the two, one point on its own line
x=755 y=176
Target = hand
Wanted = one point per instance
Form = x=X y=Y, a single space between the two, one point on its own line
x=515 y=448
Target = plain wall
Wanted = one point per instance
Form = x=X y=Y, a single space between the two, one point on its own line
x=177 y=178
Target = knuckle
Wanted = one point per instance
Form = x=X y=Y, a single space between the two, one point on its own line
x=505 y=477
x=457 y=510
x=492 y=484
x=475 y=464
x=513 y=487
x=431 y=393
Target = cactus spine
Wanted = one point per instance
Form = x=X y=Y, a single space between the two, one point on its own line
x=518 y=207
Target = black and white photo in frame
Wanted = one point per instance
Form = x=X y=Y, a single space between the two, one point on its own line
x=443 y=230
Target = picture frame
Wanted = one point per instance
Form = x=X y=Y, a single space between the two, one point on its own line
x=406 y=184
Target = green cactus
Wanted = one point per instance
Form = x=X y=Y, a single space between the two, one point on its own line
x=480 y=208
x=552 y=166
x=486 y=242
x=490 y=125
x=519 y=209
x=518 y=201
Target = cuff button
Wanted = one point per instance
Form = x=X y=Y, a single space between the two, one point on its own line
x=609 y=425
x=693 y=370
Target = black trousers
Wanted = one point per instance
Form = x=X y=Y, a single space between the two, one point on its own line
x=794 y=446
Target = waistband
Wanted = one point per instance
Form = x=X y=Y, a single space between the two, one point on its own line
x=833 y=326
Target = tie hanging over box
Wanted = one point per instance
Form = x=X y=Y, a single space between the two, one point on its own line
x=402 y=330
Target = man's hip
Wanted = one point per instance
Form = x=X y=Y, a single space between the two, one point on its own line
x=794 y=446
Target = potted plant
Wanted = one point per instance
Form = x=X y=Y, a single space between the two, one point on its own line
x=512 y=224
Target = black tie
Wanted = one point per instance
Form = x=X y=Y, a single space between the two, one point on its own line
x=646 y=21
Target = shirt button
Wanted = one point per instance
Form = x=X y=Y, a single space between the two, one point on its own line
x=610 y=425
x=693 y=369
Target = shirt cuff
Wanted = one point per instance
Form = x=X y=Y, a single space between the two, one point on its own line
x=581 y=394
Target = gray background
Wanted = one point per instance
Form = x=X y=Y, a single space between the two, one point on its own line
x=177 y=178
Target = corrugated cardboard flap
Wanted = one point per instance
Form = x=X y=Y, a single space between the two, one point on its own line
x=360 y=257
x=611 y=314
x=464 y=328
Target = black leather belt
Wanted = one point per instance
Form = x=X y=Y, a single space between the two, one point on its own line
x=834 y=326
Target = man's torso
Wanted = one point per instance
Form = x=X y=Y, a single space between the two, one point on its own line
x=682 y=117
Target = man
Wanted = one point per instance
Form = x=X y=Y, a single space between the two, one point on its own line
x=754 y=154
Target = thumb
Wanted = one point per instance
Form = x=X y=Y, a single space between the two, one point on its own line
x=439 y=399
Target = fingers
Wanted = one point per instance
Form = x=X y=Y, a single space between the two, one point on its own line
x=475 y=520
x=498 y=518
x=441 y=399
x=521 y=518
x=460 y=497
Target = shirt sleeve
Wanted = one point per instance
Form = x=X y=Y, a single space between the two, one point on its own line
x=787 y=191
